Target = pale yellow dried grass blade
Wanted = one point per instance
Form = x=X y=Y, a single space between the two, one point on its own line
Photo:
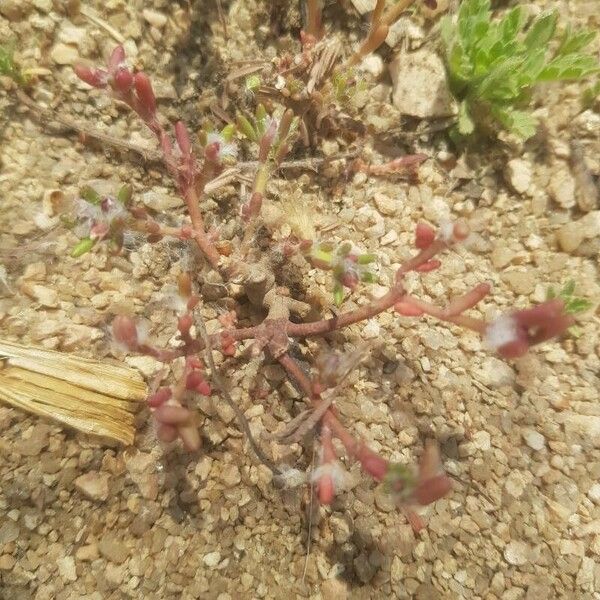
x=91 y=396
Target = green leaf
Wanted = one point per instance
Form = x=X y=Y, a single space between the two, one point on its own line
x=512 y=23
x=589 y=95
x=569 y=66
x=531 y=68
x=466 y=126
x=252 y=82
x=447 y=32
x=338 y=293
x=574 y=41
x=577 y=305
x=368 y=277
x=520 y=123
x=502 y=82
x=568 y=289
x=8 y=66
x=459 y=64
x=125 y=194
x=89 y=194
x=228 y=132
x=541 y=31
x=82 y=247
x=366 y=259
x=246 y=128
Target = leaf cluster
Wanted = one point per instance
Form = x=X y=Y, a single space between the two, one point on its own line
x=493 y=65
x=573 y=304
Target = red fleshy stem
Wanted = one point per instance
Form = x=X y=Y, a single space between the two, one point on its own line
x=326 y=486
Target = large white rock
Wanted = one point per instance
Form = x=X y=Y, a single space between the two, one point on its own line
x=420 y=85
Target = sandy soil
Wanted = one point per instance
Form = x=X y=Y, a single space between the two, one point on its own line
x=521 y=439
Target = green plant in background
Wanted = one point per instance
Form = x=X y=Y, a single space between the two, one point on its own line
x=573 y=304
x=493 y=65
x=8 y=66
x=590 y=95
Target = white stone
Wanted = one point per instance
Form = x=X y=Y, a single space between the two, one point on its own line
x=585 y=426
x=66 y=568
x=212 y=559
x=534 y=439
x=93 y=485
x=371 y=329
x=155 y=18
x=420 y=87
x=594 y=493
x=590 y=224
x=518 y=174
x=64 y=54
x=495 y=372
x=516 y=553
x=562 y=188
x=482 y=440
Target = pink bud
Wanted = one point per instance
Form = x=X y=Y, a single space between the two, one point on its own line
x=204 y=388
x=372 y=463
x=122 y=80
x=424 y=236
x=159 y=397
x=211 y=152
x=350 y=279
x=227 y=345
x=91 y=75
x=193 y=380
x=267 y=140
x=183 y=138
x=432 y=489
x=145 y=94
x=184 y=323
x=125 y=331
x=117 y=58
x=461 y=230
x=326 y=489
x=170 y=414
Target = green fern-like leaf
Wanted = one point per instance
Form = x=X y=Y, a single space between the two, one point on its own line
x=494 y=64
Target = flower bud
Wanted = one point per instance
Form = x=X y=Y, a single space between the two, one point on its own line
x=117 y=58
x=145 y=94
x=183 y=138
x=122 y=80
x=424 y=236
x=372 y=463
x=97 y=78
x=159 y=397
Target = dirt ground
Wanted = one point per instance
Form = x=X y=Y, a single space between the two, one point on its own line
x=520 y=439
